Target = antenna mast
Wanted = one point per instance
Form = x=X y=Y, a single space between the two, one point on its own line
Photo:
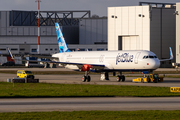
x=38 y=25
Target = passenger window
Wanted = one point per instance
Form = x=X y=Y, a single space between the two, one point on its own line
x=146 y=56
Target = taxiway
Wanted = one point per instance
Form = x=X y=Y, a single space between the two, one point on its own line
x=89 y=103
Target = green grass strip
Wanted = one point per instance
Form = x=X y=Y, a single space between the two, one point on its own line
x=93 y=115
x=78 y=90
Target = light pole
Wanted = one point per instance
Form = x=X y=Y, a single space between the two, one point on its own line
x=38 y=25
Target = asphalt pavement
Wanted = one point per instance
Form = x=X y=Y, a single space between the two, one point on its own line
x=89 y=103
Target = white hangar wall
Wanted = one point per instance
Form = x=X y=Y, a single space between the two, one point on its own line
x=128 y=28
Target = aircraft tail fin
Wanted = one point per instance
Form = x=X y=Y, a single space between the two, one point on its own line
x=10 y=54
x=61 y=41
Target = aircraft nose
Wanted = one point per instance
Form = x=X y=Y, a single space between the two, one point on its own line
x=156 y=64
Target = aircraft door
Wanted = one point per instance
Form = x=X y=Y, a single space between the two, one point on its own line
x=101 y=59
x=136 y=58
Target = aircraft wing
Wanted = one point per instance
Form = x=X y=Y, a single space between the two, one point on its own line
x=171 y=55
x=79 y=65
x=40 y=56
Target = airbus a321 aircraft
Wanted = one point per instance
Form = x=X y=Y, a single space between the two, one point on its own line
x=104 y=61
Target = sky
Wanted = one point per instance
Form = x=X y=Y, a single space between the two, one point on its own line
x=98 y=7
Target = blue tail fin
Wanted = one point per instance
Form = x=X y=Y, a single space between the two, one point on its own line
x=61 y=42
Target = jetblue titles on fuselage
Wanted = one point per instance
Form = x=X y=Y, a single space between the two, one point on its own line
x=125 y=57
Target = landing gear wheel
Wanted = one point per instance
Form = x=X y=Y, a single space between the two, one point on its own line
x=84 y=78
x=155 y=81
x=123 y=78
x=119 y=78
x=32 y=77
x=88 y=79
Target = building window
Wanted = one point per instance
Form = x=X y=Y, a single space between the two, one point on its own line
x=13 y=49
x=100 y=49
x=33 y=50
x=22 y=49
x=46 y=49
x=72 y=49
x=2 y=49
x=82 y=49
x=51 y=49
x=55 y=49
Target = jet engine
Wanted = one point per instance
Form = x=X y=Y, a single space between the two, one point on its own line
x=86 y=67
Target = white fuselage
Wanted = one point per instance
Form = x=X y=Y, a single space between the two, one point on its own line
x=126 y=60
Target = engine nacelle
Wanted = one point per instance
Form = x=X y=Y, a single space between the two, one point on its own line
x=86 y=67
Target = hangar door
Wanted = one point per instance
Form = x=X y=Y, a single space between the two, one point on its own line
x=130 y=43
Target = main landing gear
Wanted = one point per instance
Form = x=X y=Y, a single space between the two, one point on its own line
x=86 y=77
x=120 y=77
x=104 y=76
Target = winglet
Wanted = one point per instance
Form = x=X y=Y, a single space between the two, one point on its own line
x=171 y=54
x=10 y=53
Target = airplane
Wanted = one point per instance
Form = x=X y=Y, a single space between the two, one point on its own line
x=103 y=61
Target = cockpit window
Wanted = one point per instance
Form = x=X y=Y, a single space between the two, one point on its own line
x=145 y=57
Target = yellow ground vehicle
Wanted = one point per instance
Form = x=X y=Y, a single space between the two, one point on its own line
x=25 y=74
x=150 y=78
x=154 y=78
x=144 y=80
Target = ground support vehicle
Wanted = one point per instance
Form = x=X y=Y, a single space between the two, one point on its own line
x=150 y=78
x=25 y=74
x=137 y=80
x=155 y=78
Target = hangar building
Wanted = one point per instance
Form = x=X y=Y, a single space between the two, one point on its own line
x=19 y=31
x=149 y=26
